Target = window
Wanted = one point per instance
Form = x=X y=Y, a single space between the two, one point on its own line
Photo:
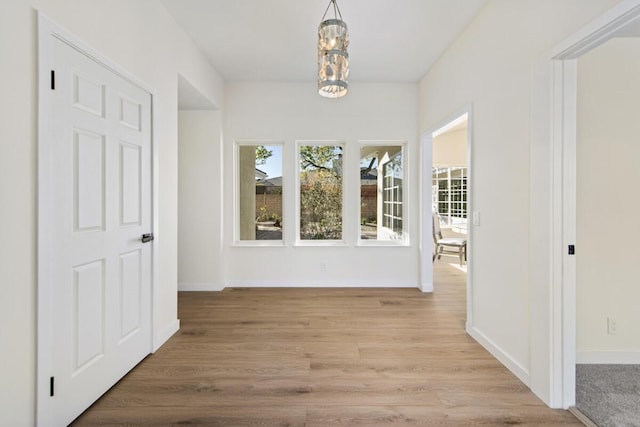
x=450 y=196
x=382 y=192
x=260 y=192
x=320 y=191
x=392 y=196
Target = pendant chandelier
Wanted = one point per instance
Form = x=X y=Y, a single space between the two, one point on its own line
x=333 y=59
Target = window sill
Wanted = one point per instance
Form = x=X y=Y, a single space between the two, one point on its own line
x=258 y=244
x=320 y=243
x=383 y=243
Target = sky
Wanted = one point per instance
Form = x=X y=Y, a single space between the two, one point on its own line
x=273 y=166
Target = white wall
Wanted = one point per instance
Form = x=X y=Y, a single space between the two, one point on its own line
x=291 y=112
x=450 y=148
x=608 y=175
x=489 y=66
x=199 y=196
x=141 y=37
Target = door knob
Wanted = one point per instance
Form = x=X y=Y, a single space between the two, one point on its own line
x=146 y=238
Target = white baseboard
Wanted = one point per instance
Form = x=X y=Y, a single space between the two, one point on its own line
x=166 y=333
x=426 y=287
x=608 y=357
x=200 y=287
x=209 y=287
x=495 y=350
x=318 y=284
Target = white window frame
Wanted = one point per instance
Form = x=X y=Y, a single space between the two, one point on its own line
x=236 y=192
x=333 y=143
x=404 y=241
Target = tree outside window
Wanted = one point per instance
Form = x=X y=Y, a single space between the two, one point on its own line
x=320 y=192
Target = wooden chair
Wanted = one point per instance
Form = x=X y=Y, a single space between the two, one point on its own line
x=450 y=246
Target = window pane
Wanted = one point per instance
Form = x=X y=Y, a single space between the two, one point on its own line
x=320 y=192
x=381 y=195
x=260 y=197
x=450 y=196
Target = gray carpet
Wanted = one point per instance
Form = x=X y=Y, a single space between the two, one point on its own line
x=609 y=394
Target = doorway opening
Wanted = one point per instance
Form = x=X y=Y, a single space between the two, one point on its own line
x=199 y=191
x=607 y=319
x=446 y=184
x=554 y=201
x=449 y=178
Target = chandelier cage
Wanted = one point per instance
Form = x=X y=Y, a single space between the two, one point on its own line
x=333 y=58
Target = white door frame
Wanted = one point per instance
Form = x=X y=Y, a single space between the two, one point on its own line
x=426 y=241
x=47 y=32
x=553 y=205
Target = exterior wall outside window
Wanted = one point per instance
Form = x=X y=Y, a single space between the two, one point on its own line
x=259 y=194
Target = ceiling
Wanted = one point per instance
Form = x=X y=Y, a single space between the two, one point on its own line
x=275 y=40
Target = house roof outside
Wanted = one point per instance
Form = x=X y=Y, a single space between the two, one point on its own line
x=260 y=174
x=272 y=182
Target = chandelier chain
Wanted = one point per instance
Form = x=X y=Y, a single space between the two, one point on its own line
x=336 y=10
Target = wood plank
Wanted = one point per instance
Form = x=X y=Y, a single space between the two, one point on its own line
x=449 y=369
x=214 y=415
x=323 y=357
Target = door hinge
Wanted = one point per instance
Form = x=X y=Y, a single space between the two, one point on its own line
x=53 y=80
x=51 y=386
x=572 y=249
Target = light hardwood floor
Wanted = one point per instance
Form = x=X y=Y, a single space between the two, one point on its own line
x=323 y=357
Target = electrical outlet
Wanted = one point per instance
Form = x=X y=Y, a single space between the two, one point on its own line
x=612 y=326
x=323 y=266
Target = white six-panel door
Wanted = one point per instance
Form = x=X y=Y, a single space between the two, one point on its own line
x=99 y=207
